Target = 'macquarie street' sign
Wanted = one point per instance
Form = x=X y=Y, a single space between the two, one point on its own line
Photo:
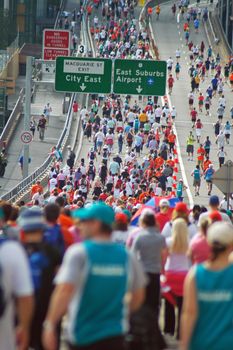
x=87 y=75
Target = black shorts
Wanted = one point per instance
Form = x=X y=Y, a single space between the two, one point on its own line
x=190 y=148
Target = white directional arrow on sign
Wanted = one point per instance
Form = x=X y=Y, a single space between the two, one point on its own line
x=82 y=87
x=139 y=89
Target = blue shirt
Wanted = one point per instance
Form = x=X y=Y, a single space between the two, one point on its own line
x=214 y=325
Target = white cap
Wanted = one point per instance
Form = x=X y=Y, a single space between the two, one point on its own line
x=164 y=203
x=220 y=232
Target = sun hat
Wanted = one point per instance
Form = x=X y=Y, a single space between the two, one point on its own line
x=31 y=220
x=220 y=233
x=164 y=203
x=97 y=211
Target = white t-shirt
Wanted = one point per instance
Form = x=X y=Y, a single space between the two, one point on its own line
x=52 y=184
x=100 y=136
x=17 y=281
x=131 y=116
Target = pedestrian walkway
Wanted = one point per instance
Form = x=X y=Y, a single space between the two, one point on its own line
x=38 y=150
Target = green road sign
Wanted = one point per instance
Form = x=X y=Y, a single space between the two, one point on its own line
x=85 y=75
x=140 y=77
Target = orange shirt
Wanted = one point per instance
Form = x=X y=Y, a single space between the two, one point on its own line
x=159 y=162
x=36 y=188
x=142 y=196
x=200 y=153
x=171 y=138
x=170 y=162
x=206 y=164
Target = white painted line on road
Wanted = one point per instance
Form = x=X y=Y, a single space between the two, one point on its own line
x=182 y=168
x=180 y=39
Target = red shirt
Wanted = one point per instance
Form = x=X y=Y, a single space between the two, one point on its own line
x=162 y=219
x=75 y=107
x=170 y=81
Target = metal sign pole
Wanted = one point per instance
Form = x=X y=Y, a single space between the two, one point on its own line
x=27 y=113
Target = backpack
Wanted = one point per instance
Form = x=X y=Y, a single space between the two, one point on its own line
x=38 y=263
x=3 y=301
x=54 y=237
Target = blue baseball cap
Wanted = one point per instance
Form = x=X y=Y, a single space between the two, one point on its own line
x=97 y=211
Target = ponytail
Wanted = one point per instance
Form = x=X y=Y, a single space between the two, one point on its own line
x=216 y=249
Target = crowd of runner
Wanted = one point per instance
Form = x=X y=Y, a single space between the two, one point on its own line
x=115 y=224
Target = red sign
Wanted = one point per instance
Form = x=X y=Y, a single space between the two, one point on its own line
x=52 y=54
x=55 y=43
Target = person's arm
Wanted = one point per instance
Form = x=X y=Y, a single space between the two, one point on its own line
x=137 y=283
x=60 y=300
x=136 y=299
x=189 y=311
x=25 y=307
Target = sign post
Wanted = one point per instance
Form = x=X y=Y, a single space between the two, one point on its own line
x=223 y=179
x=84 y=75
x=56 y=43
x=27 y=114
x=140 y=77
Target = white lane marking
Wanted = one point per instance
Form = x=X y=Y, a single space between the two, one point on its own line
x=182 y=168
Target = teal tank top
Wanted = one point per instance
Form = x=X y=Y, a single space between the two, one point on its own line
x=102 y=311
x=214 y=326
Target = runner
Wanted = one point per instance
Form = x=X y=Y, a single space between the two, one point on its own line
x=196 y=173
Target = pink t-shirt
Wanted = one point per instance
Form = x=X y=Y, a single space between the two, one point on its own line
x=200 y=249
